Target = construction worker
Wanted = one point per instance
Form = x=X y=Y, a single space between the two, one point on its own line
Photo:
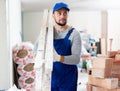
x=67 y=45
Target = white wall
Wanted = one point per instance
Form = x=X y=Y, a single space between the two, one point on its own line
x=14 y=20
x=98 y=23
x=4 y=60
x=31 y=25
x=114 y=28
x=90 y=20
x=14 y=30
x=10 y=27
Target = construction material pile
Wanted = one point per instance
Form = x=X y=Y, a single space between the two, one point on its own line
x=23 y=56
x=105 y=73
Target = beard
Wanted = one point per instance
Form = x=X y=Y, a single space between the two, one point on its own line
x=61 y=24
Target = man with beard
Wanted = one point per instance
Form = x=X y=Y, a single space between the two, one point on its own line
x=67 y=46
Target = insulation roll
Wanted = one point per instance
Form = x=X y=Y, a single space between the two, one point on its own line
x=23 y=53
x=26 y=70
x=23 y=61
x=26 y=83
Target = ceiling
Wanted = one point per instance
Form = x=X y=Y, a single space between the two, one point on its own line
x=40 y=5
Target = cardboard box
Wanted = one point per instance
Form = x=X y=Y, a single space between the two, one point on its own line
x=109 y=83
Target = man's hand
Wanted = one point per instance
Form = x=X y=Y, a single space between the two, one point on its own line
x=61 y=59
x=58 y=57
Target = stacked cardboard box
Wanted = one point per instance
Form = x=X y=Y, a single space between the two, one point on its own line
x=116 y=63
x=116 y=70
x=100 y=77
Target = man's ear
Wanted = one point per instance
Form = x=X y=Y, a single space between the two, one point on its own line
x=53 y=15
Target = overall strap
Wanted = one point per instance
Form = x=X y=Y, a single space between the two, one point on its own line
x=69 y=33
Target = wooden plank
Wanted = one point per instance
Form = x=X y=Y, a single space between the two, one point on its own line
x=103 y=46
x=104 y=31
x=109 y=83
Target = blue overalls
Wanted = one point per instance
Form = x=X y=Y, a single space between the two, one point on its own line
x=64 y=76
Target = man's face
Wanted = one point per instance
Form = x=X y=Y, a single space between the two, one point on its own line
x=60 y=16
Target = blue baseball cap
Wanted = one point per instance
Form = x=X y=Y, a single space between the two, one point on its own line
x=59 y=6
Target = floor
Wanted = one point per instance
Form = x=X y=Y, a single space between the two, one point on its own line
x=82 y=80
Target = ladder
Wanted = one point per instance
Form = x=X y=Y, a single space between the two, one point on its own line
x=44 y=58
